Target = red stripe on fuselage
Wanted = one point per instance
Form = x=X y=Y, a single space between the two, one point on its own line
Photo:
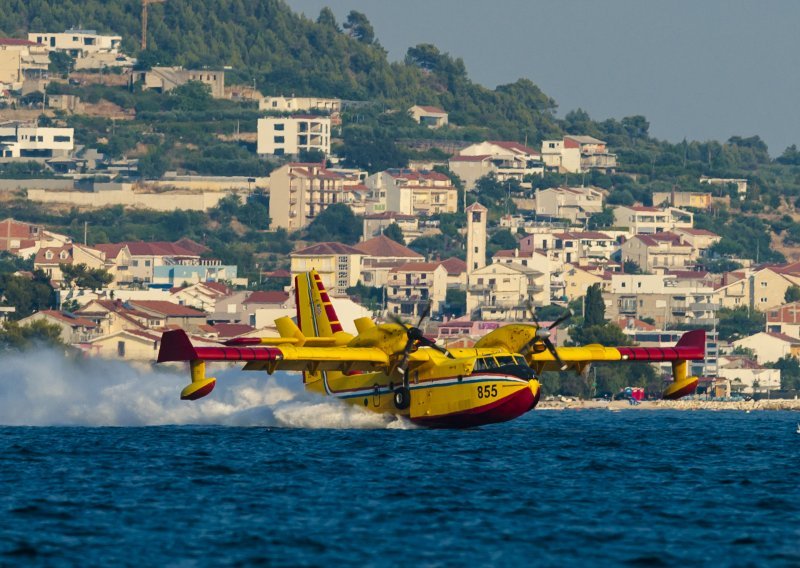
x=239 y=353
x=661 y=353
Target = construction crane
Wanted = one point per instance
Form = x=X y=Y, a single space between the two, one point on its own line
x=145 y=4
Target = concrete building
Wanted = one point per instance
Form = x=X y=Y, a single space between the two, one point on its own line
x=504 y=159
x=700 y=239
x=376 y=223
x=576 y=280
x=146 y=256
x=18 y=140
x=430 y=116
x=668 y=299
x=418 y=193
x=501 y=291
x=575 y=204
x=299 y=192
x=300 y=104
x=785 y=319
x=740 y=183
x=577 y=154
x=413 y=286
x=769 y=346
x=759 y=289
x=165 y=79
x=477 y=216
x=380 y=255
x=659 y=251
x=77 y=43
x=648 y=220
x=50 y=259
x=288 y=136
x=338 y=265
x=127 y=344
x=576 y=247
x=681 y=199
x=747 y=376
x=74 y=329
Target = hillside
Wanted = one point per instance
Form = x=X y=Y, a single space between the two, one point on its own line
x=283 y=52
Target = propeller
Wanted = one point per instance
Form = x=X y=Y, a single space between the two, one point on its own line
x=543 y=335
x=416 y=337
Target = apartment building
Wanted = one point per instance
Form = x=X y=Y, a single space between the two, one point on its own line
x=19 y=140
x=338 y=265
x=50 y=259
x=504 y=159
x=575 y=204
x=660 y=251
x=577 y=154
x=641 y=219
x=288 y=136
x=668 y=299
x=576 y=247
x=411 y=192
x=301 y=191
x=693 y=199
x=411 y=287
x=503 y=291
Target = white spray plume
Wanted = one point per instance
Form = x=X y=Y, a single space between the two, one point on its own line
x=44 y=388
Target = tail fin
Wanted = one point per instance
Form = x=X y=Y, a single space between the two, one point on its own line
x=315 y=314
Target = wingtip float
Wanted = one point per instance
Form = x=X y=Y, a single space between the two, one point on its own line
x=394 y=368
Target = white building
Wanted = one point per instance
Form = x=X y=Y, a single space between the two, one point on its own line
x=78 y=43
x=648 y=220
x=412 y=192
x=30 y=141
x=430 y=116
x=576 y=204
x=506 y=160
x=477 y=216
x=289 y=135
x=577 y=154
x=300 y=104
x=503 y=291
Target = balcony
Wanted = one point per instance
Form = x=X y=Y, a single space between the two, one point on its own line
x=416 y=299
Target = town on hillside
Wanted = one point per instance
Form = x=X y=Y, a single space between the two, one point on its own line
x=113 y=231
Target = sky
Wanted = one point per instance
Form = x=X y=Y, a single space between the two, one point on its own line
x=696 y=69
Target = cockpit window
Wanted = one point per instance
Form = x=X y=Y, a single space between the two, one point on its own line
x=505 y=360
x=520 y=360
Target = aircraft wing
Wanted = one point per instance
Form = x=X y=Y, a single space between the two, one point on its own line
x=176 y=346
x=690 y=347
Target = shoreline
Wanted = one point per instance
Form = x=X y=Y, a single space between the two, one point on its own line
x=616 y=405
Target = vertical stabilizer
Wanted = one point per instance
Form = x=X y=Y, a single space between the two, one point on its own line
x=315 y=314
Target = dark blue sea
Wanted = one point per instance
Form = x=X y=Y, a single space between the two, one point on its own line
x=554 y=488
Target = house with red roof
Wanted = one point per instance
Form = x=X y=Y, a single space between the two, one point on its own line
x=578 y=154
x=746 y=375
x=660 y=251
x=700 y=239
x=202 y=295
x=430 y=116
x=173 y=315
x=50 y=259
x=769 y=346
x=380 y=255
x=376 y=223
x=74 y=329
x=126 y=344
x=505 y=159
x=412 y=192
x=145 y=256
x=338 y=264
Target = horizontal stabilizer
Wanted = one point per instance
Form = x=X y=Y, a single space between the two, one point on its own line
x=176 y=346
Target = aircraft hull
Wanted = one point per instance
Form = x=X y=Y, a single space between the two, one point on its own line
x=507 y=408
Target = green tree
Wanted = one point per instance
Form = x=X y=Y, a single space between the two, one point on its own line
x=790 y=372
x=84 y=277
x=395 y=233
x=337 y=223
x=601 y=220
x=153 y=165
x=39 y=332
x=61 y=63
x=631 y=267
x=327 y=18
x=359 y=27
x=26 y=295
x=792 y=294
x=739 y=322
x=594 y=308
x=455 y=302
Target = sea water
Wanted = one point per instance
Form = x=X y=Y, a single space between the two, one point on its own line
x=112 y=469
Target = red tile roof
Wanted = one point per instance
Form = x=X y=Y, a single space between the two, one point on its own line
x=111 y=250
x=383 y=246
x=267 y=297
x=164 y=308
x=280 y=273
x=783 y=337
x=15 y=41
x=74 y=321
x=417 y=267
x=232 y=329
x=454 y=266
x=326 y=249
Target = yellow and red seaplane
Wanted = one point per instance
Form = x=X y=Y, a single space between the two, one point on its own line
x=394 y=368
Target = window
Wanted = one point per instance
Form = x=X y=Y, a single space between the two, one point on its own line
x=121 y=348
x=279 y=126
x=60 y=139
x=135 y=263
x=279 y=140
x=48 y=255
x=147 y=263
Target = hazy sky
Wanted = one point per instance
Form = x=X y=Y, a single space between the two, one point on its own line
x=699 y=69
